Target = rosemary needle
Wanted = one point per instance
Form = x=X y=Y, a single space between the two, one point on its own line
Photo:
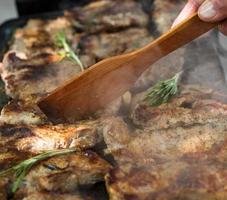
x=20 y=170
x=163 y=91
x=62 y=42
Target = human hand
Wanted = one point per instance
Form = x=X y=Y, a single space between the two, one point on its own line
x=208 y=10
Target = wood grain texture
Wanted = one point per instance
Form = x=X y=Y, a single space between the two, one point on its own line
x=105 y=81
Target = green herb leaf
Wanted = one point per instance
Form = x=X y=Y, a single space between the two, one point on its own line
x=163 y=91
x=20 y=170
x=62 y=42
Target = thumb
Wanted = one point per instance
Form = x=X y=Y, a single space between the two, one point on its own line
x=213 y=10
x=190 y=8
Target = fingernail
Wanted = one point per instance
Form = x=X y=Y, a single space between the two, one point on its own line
x=207 y=10
x=187 y=11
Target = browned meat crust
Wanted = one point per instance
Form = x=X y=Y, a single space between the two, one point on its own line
x=108 y=15
x=179 y=147
x=38 y=139
x=38 y=36
x=65 y=174
x=147 y=147
x=22 y=113
x=105 y=45
x=185 y=110
x=196 y=176
x=28 y=79
x=3 y=188
x=51 y=196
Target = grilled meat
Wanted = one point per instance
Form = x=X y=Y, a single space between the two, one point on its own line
x=3 y=188
x=185 y=110
x=145 y=147
x=105 y=45
x=199 y=176
x=47 y=137
x=29 y=79
x=66 y=173
x=51 y=196
x=38 y=36
x=178 y=148
x=21 y=113
x=108 y=16
x=170 y=130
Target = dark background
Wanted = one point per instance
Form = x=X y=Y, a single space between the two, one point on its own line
x=31 y=7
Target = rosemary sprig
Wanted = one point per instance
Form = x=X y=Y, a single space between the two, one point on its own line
x=62 y=42
x=163 y=91
x=20 y=170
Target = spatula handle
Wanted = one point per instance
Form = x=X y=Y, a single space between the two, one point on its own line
x=178 y=36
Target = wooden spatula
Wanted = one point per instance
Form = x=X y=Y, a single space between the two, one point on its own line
x=105 y=81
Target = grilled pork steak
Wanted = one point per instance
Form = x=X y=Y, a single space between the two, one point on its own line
x=199 y=176
x=66 y=173
x=22 y=113
x=105 y=45
x=3 y=188
x=147 y=147
x=186 y=110
x=189 y=123
x=192 y=176
x=29 y=79
x=38 y=36
x=47 y=137
x=51 y=196
x=170 y=160
x=174 y=154
x=107 y=15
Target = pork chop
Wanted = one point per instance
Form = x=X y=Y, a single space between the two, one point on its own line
x=172 y=153
x=105 y=45
x=30 y=79
x=66 y=173
x=22 y=113
x=198 y=176
x=35 y=139
x=3 y=188
x=38 y=36
x=50 y=196
x=108 y=16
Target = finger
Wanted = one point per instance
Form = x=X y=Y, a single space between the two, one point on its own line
x=213 y=10
x=190 y=8
x=223 y=27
